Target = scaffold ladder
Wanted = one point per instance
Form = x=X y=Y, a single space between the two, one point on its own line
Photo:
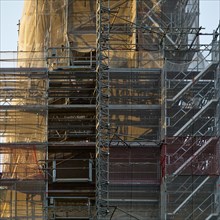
x=102 y=109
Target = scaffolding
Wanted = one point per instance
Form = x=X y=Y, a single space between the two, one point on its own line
x=110 y=110
x=23 y=142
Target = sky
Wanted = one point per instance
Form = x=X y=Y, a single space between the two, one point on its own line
x=209 y=17
x=11 y=11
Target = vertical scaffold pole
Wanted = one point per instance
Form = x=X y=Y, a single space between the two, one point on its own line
x=102 y=109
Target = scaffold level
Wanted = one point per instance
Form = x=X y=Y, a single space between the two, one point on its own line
x=109 y=110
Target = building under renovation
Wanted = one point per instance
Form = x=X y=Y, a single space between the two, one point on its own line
x=110 y=110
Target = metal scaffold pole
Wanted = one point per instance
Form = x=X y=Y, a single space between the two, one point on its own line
x=102 y=109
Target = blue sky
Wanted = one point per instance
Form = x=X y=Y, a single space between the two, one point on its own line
x=11 y=11
x=209 y=16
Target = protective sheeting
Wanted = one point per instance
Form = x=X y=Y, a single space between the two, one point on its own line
x=33 y=25
x=42 y=25
x=23 y=101
x=54 y=24
x=32 y=33
x=23 y=136
x=21 y=199
x=26 y=163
